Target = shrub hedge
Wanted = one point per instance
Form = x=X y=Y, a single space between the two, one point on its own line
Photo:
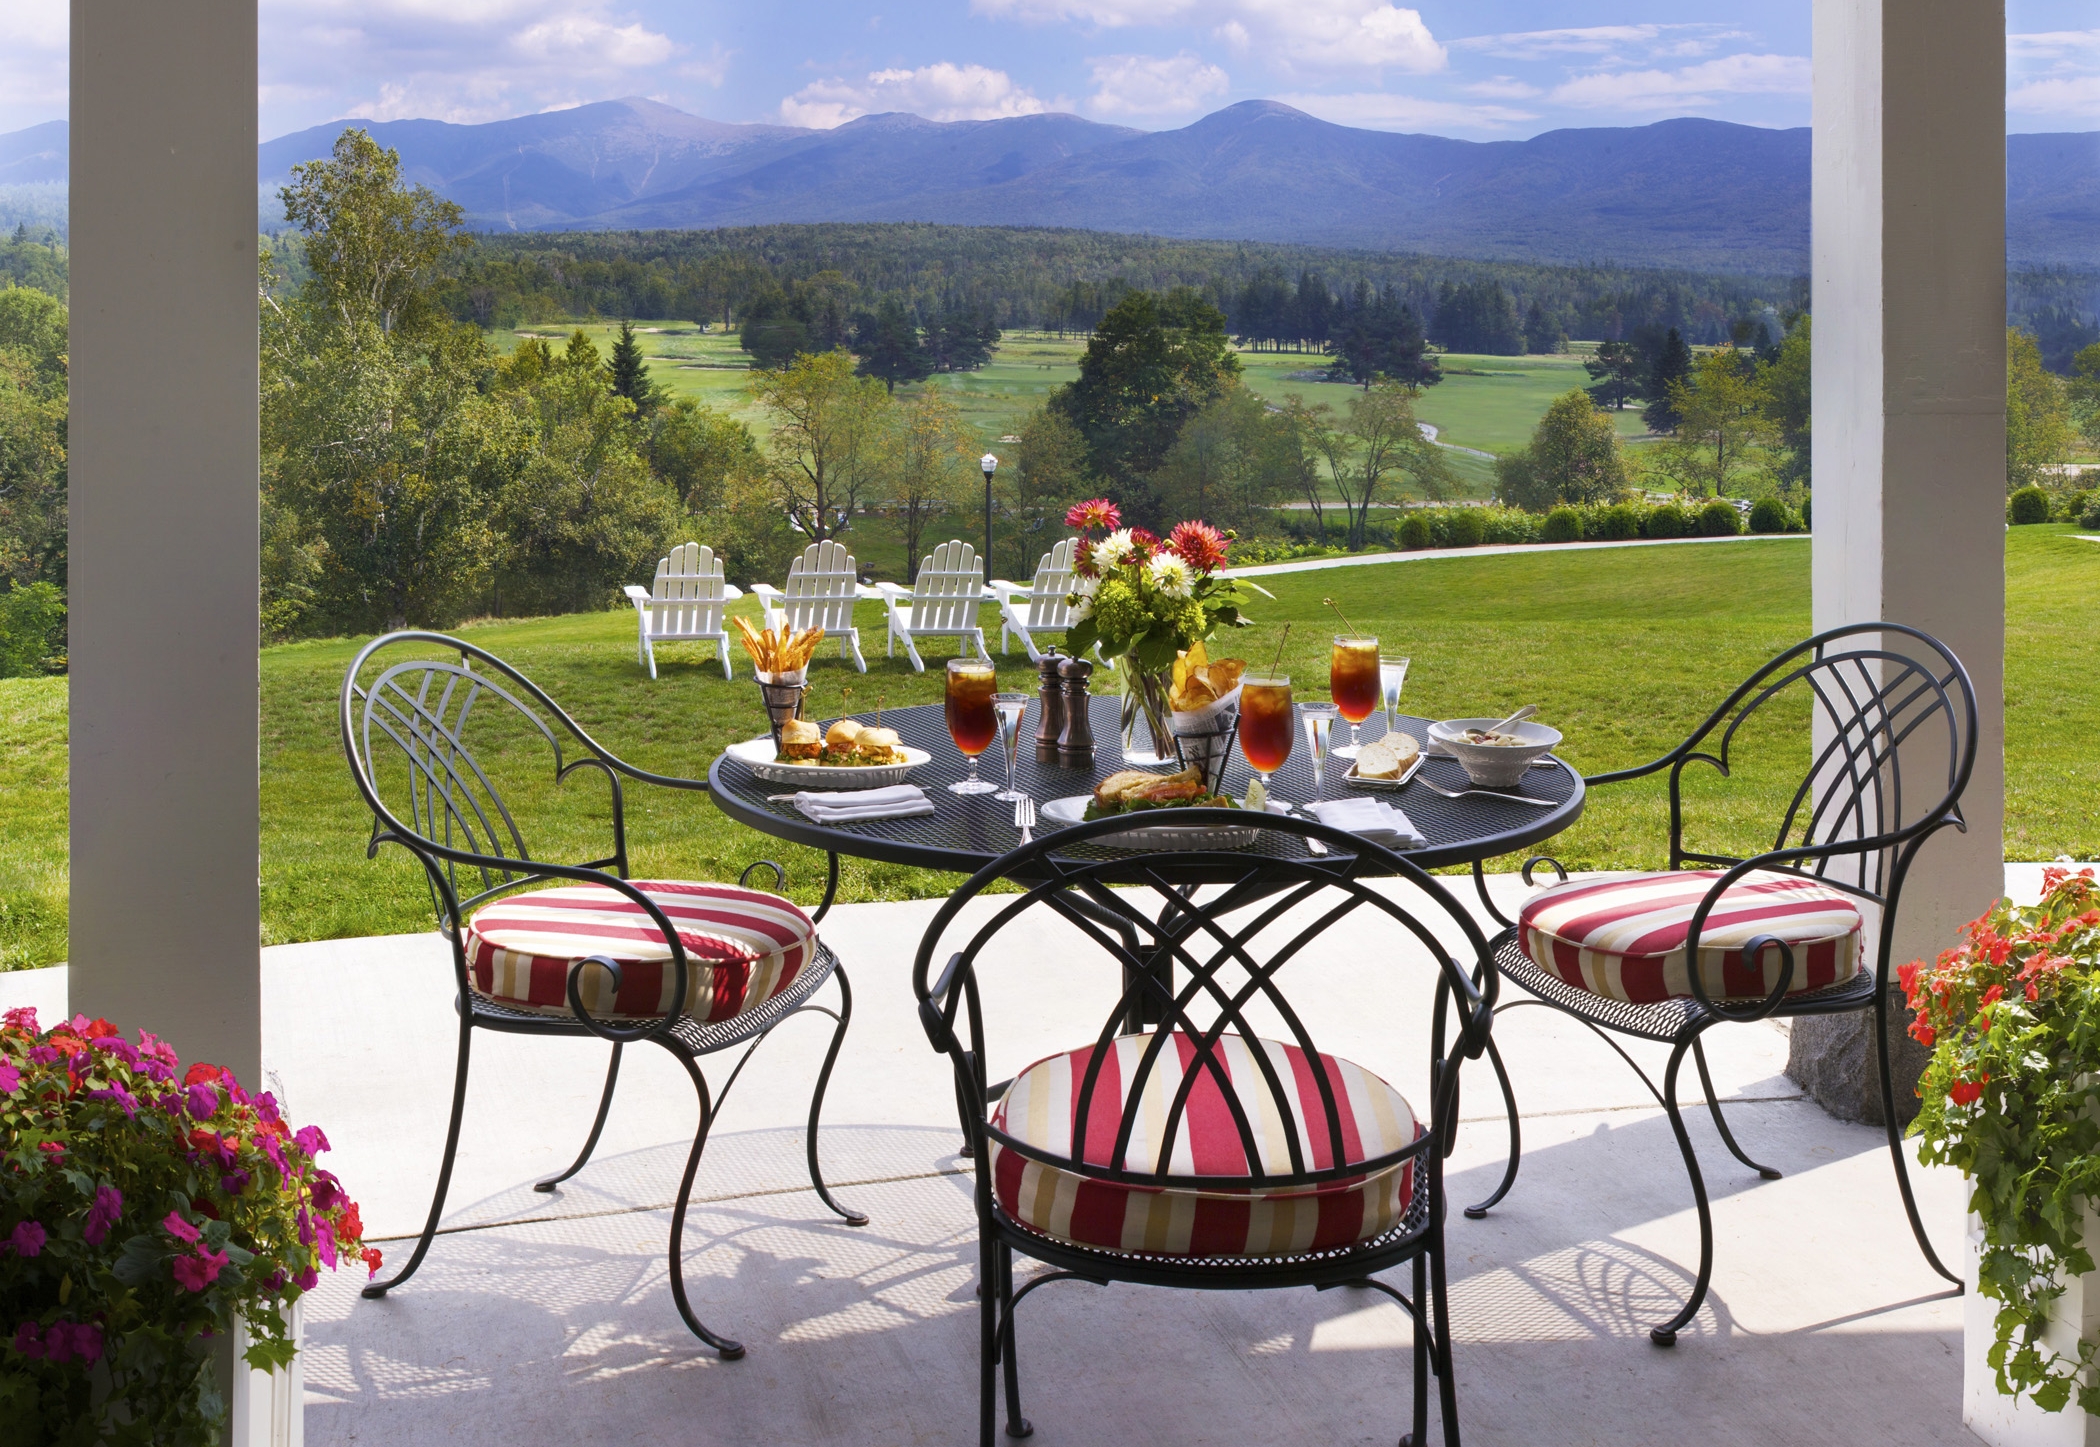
x=1770 y=515
x=1719 y=519
x=1467 y=527
x=2028 y=505
x=1563 y=525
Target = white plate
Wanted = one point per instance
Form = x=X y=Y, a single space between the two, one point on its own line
x=759 y=754
x=1405 y=774
x=1072 y=810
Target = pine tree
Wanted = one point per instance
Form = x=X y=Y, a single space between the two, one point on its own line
x=887 y=343
x=630 y=374
x=1673 y=365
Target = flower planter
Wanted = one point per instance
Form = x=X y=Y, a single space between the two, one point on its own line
x=269 y=1408
x=2017 y=1421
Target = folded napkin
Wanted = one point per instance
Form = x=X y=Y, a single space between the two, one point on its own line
x=898 y=801
x=1373 y=819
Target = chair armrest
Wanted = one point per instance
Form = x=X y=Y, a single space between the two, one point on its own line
x=638 y=595
x=1003 y=590
x=732 y=592
x=766 y=592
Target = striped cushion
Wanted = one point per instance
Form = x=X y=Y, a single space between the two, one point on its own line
x=742 y=946
x=1623 y=938
x=1227 y=1217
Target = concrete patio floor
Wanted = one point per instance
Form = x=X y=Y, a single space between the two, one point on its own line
x=548 y=1319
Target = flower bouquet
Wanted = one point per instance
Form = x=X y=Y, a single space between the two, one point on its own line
x=143 y=1208
x=1145 y=600
x=2011 y=1097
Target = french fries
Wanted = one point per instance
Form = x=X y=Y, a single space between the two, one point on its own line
x=783 y=651
x=1199 y=683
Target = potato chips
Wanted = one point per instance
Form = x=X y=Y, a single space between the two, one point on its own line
x=1199 y=683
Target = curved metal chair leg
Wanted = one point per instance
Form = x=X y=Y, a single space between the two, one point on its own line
x=1898 y=1156
x=378 y=1289
x=729 y=1349
x=1713 y=1103
x=1440 y=1314
x=989 y=1338
x=1666 y=1335
x=612 y=1078
x=1516 y=1138
x=1016 y=1424
x=816 y=1100
x=1419 y=1430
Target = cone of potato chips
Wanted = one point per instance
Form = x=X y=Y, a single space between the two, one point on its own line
x=1204 y=712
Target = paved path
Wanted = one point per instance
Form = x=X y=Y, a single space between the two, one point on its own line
x=1359 y=560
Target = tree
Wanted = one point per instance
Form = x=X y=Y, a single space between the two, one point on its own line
x=1380 y=443
x=1381 y=336
x=1616 y=369
x=887 y=342
x=1231 y=462
x=1673 y=364
x=2037 y=416
x=1784 y=398
x=1543 y=335
x=630 y=374
x=933 y=462
x=828 y=437
x=2083 y=393
x=374 y=246
x=697 y=449
x=961 y=340
x=32 y=438
x=1721 y=423
x=1574 y=457
x=1477 y=317
x=1152 y=363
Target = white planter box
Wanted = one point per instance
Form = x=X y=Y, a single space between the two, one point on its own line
x=269 y=1408
x=2018 y=1422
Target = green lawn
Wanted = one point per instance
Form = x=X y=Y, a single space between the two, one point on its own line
x=1622 y=650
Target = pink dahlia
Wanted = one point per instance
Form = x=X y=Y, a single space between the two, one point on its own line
x=1094 y=513
x=1200 y=545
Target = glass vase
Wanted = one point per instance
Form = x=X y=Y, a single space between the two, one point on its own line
x=1147 y=739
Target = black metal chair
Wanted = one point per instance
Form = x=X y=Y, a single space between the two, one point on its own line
x=1203 y=1153
x=426 y=737
x=1894 y=730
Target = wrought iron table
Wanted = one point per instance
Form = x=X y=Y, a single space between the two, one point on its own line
x=968 y=831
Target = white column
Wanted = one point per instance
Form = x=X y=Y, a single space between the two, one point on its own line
x=164 y=553
x=1909 y=451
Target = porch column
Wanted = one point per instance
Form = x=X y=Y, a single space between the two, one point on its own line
x=164 y=553
x=1909 y=400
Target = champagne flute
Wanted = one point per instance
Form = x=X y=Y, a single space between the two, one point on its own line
x=1010 y=706
x=1392 y=676
x=973 y=721
x=1352 y=677
x=1318 y=719
x=1265 y=723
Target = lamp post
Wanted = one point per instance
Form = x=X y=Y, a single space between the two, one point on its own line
x=990 y=464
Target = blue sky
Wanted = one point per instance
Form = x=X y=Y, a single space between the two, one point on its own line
x=1474 y=68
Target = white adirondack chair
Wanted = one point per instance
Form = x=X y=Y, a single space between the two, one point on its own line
x=822 y=587
x=941 y=602
x=1026 y=608
x=684 y=604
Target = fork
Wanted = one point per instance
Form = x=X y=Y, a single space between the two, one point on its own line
x=1312 y=845
x=1484 y=794
x=1024 y=818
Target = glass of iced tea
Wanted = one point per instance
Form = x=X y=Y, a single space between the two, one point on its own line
x=1267 y=722
x=973 y=719
x=1352 y=677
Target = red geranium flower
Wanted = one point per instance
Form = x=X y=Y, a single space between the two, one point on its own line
x=1967 y=1092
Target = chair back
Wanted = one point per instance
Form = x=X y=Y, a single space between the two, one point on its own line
x=822 y=586
x=1243 y=929
x=948 y=589
x=688 y=595
x=1892 y=721
x=1048 y=595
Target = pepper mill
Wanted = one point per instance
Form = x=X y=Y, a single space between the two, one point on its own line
x=1075 y=746
x=1050 y=709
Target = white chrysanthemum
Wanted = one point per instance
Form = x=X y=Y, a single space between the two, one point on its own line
x=1082 y=605
x=1171 y=576
x=1111 y=550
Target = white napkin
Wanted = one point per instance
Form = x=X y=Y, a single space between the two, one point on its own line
x=1373 y=819
x=898 y=801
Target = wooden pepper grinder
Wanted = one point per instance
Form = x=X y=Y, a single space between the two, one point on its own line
x=1050 y=709
x=1075 y=746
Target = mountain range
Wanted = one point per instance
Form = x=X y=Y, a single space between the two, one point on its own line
x=1693 y=193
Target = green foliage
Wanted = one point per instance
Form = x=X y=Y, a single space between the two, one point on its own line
x=1575 y=457
x=32 y=437
x=1783 y=383
x=2037 y=415
x=933 y=466
x=2028 y=505
x=1719 y=519
x=1478 y=317
x=1671 y=371
x=887 y=343
x=629 y=374
x=1615 y=368
x=32 y=630
x=2012 y=1015
x=38 y=263
x=1368 y=455
x=1806 y=524
x=1666 y=520
x=697 y=450
x=1617 y=523
x=829 y=434
x=1467 y=530
x=1562 y=525
x=1721 y=425
x=1233 y=461
x=1413 y=531
x=1770 y=515
x=1375 y=335
x=373 y=244
x=2072 y=506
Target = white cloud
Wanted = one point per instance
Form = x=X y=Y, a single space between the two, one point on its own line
x=1502 y=87
x=1694 y=85
x=940 y=92
x=2054 y=44
x=1379 y=111
x=583 y=40
x=1538 y=44
x=33 y=80
x=1143 y=85
x=1297 y=35
x=2076 y=96
x=2054 y=73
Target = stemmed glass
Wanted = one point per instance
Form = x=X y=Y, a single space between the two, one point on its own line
x=1265 y=723
x=1392 y=675
x=973 y=721
x=1352 y=677
x=1318 y=719
x=1010 y=706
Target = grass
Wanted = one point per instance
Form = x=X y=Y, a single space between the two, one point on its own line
x=1623 y=650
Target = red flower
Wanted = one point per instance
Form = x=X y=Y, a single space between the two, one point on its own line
x=1094 y=513
x=372 y=1259
x=1199 y=545
x=1923 y=1033
x=1966 y=1092
x=202 y=1074
x=1906 y=977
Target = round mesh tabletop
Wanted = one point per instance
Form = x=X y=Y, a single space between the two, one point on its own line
x=967 y=831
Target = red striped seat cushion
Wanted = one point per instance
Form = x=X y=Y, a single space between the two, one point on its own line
x=1623 y=938
x=1226 y=1216
x=742 y=948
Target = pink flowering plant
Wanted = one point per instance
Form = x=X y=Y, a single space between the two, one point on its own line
x=2009 y=1096
x=1145 y=597
x=143 y=1207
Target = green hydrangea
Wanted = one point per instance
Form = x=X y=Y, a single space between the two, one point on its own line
x=1119 y=611
x=1182 y=616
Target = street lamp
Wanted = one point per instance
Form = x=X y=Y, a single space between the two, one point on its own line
x=990 y=464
